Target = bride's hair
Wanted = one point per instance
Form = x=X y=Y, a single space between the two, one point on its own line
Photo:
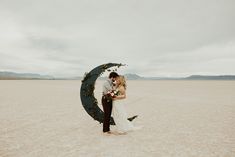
x=122 y=81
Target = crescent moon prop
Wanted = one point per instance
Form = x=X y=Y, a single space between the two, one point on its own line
x=89 y=102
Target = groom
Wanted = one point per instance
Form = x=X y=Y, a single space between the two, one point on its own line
x=107 y=103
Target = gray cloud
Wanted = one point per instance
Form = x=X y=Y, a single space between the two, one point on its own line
x=158 y=38
x=47 y=43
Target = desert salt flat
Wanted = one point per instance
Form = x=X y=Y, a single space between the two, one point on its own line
x=179 y=119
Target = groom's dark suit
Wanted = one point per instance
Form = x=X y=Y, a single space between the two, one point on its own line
x=107 y=105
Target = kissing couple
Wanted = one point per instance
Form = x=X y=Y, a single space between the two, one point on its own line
x=114 y=94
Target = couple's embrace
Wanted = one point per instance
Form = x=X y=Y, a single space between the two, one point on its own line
x=114 y=94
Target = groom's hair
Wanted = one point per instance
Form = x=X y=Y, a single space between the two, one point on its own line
x=113 y=75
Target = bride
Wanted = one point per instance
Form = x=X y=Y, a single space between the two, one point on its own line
x=119 y=112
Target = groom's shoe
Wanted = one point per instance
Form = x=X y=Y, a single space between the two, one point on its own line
x=132 y=118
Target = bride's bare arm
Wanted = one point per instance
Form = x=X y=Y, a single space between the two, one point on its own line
x=122 y=95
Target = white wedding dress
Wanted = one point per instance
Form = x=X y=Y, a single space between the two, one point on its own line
x=120 y=117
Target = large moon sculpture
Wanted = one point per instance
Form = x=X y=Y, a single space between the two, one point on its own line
x=89 y=102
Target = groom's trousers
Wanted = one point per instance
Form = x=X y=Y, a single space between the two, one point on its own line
x=107 y=108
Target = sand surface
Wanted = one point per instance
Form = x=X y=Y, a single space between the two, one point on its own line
x=179 y=119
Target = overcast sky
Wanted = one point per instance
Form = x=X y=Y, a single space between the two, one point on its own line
x=155 y=38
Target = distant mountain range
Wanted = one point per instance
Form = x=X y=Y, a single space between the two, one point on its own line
x=5 y=75
x=192 y=77
x=219 y=77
